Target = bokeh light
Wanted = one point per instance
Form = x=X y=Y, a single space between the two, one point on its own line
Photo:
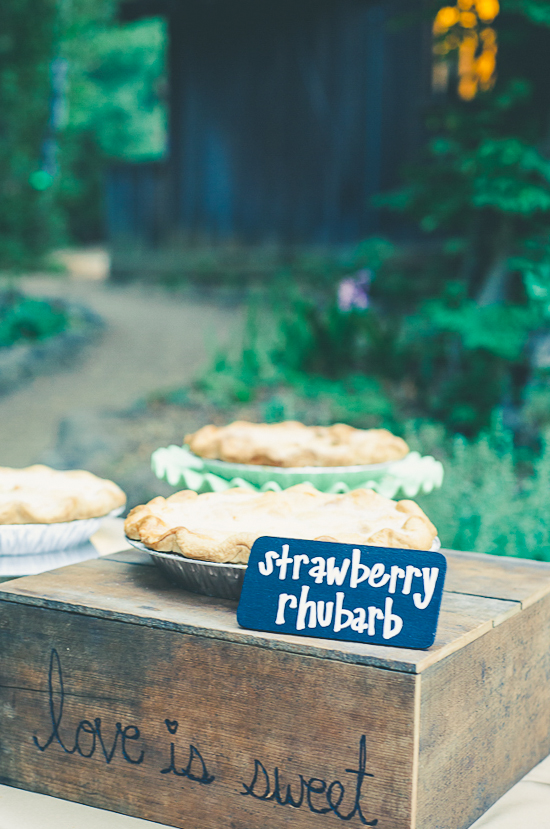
x=462 y=39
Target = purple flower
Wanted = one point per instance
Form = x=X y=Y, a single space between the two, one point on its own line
x=353 y=291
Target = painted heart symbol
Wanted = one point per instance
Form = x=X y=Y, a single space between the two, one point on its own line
x=171 y=725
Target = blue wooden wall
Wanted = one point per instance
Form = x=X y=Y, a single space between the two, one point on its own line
x=286 y=117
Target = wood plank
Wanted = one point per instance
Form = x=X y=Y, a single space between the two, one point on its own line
x=131 y=556
x=236 y=704
x=464 y=619
x=109 y=588
x=485 y=719
x=446 y=730
x=477 y=574
x=497 y=577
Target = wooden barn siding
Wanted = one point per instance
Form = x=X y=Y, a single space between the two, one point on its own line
x=137 y=198
x=286 y=118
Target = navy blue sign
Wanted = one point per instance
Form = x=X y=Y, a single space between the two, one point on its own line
x=343 y=591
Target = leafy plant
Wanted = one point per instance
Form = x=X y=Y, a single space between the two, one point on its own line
x=274 y=367
x=488 y=502
x=450 y=322
x=26 y=319
x=117 y=76
x=29 y=222
x=76 y=89
x=115 y=106
x=481 y=192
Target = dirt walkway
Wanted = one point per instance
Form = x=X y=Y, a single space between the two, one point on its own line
x=154 y=340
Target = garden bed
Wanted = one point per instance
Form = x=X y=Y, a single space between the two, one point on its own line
x=39 y=336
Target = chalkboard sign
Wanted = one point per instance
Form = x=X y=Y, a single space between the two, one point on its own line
x=343 y=591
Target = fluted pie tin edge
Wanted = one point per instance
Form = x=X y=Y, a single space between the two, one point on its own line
x=209 y=578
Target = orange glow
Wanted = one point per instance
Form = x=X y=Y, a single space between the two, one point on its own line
x=468 y=20
x=441 y=48
x=446 y=17
x=487 y=10
x=467 y=87
x=489 y=37
x=466 y=55
x=462 y=29
x=486 y=65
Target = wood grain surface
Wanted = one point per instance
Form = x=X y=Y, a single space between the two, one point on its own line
x=125 y=587
x=106 y=669
x=485 y=719
x=498 y=577
x=236 y=704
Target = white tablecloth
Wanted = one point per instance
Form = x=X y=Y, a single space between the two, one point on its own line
x=525 y=806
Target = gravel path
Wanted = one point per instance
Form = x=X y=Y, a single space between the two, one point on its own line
x=154 y=340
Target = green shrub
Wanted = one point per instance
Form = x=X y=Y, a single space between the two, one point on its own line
x=490 y=501
x=115 y=106
x=29 y=221
x=54 y=147
x=279 y=367
x=25 y=319
x=444 y=359
x=117 y=75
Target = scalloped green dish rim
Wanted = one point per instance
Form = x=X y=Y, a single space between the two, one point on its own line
x=260 y=475
x=178 y=465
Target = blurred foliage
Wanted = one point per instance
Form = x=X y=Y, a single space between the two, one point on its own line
x=481 y=192
x=357 y=400
x=403 y=356
x=29 y=222
x=76 y=89
x=301 y=357
x=494 y=497
x=446 y=328
x=491 y=500
x=115 y=106
x=451 y=333
x=25 y=319
x=116 y=83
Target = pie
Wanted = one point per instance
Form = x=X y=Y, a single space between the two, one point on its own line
x=223 y=526
x=292 y=444
x=40 y=495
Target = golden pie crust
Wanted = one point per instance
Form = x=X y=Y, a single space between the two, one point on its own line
x=223 y=526
x=292 y=444
x=40 y=495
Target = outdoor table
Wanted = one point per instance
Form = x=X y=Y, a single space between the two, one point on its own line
x=525 y=804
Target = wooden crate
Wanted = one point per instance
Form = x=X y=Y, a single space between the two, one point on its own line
x=120 y=691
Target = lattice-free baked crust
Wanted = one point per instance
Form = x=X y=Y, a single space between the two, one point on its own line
x=222 y=526
x=292 y=444
x=40 y=495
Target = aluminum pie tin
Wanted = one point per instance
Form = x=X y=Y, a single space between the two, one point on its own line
x=37 y=539
x=208 y=578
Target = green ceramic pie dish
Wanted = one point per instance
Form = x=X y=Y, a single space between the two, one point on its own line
x=407 y=477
